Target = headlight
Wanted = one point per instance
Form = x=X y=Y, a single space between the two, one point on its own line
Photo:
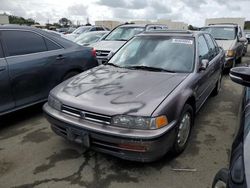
x=230 y=53
x=135 y=122
x=54 y=103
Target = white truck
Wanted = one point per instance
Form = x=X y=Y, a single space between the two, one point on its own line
x=228 y=33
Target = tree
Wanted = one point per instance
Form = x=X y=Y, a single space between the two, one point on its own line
x=247 y=25
x=21 y=20
x=65 y=22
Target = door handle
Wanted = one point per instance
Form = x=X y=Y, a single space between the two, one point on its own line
x=2 y=68
x=60 y=57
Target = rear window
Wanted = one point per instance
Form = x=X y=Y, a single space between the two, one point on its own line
x=23 y=42
x=124 y=33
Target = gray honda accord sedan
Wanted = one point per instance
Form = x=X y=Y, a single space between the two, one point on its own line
x=142 y=102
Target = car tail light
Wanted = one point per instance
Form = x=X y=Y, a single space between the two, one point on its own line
x=93 y=52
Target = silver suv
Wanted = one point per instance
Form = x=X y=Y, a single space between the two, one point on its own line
x=230 y=38
x=118 y=37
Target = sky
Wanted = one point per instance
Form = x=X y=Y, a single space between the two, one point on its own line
x=193 y=12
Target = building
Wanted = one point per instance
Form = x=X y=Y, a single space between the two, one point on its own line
x=4 y=19
x=108 y=23
x=170 y=24
x=239 y=21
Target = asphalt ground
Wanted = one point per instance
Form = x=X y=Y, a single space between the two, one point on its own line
x=31 y=155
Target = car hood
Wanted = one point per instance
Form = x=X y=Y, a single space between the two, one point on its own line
x=226 y=44
x=109 y=90
x=108 y=45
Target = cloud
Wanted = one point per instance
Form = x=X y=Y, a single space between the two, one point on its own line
x=160 y=7
x=194 y=4
x=191 y=11
x=78 y=10
x=128 y=4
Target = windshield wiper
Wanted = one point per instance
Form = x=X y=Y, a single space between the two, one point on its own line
x=150 y=68
x=112 y=64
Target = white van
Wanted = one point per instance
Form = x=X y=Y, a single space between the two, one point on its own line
x=230 y=38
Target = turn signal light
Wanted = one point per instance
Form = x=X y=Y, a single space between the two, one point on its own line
x=161 y=121
x=133 y=147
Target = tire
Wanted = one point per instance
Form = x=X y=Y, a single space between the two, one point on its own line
x=69 y=75
x=217 y=86
x=181 y=141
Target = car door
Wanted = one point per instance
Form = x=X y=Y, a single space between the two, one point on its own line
x=6 y=100
x=28 y=62
x=205 y=83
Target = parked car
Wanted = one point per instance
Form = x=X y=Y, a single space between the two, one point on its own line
x=32 y=62
x=86 y=39
x=238 y=173
x=70 y=30
x=118 y=37
x=84 y=29
x=63 y=30
x=142 y=103
x=230 y=38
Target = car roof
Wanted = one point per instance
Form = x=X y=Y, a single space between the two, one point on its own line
x=63 y=42
x=140 y=25
x=184 y=33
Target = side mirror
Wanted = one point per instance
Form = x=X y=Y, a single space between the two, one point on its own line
x=240 y=75
x=204 y=64
x=242 y=39
x=221 y=178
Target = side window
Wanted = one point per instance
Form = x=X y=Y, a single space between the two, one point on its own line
x=212 y=50
x=203 y=48
x=23 y=42
x=217 y=49
x=51 y=45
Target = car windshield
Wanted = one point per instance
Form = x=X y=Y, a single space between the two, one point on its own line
x=161 y=53
x=124 y=33
x=221 y=33
x=81 y=30
x=89 y=37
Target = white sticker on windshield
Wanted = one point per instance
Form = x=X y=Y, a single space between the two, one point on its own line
x=182 y=41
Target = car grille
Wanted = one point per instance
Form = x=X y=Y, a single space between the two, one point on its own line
x=102 y=56
x=89 y=116
x=102 y=53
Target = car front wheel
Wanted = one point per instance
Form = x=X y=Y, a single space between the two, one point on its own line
x=183 y=129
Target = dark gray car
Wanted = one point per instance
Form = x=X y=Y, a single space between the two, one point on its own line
x=32 y=62
x=142 y=103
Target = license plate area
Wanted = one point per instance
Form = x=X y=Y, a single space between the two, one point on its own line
x=78 y=136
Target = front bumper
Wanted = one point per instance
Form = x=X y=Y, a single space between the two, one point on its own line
x=135 y=145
